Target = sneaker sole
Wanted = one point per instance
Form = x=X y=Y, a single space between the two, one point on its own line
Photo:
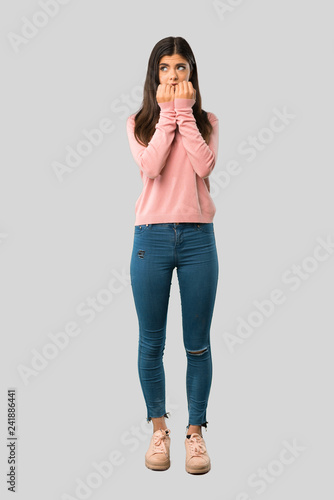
x=191 y=470
x=157 y=466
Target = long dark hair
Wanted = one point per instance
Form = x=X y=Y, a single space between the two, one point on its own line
x=148 y=115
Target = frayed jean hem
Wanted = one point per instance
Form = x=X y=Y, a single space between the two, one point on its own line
x=148 y=419
x=204 y=424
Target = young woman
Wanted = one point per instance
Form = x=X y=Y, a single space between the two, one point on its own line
x=175 y=144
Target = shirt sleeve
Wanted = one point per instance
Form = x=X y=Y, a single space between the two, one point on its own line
x=202 y=156
x=152 y=158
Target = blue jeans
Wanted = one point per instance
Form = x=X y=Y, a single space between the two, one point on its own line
x=157 y=249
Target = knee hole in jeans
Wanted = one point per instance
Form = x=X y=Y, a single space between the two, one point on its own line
x=197 y=352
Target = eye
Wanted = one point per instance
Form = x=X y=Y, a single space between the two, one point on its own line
x=179 y=66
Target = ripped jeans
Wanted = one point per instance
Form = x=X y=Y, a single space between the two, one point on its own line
x=157 y=250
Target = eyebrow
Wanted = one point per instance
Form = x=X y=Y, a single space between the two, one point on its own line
x=176 y=64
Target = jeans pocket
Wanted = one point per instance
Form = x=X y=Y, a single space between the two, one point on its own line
x=139 y=229
x=205 y=227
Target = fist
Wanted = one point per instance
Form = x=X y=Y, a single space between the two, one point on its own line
x=165 y=92
x=185 y=90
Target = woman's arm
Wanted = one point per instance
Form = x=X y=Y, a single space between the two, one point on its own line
x=202 y=156
x=152 y=159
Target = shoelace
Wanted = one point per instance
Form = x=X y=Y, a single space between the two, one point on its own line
x=159 y=442
x=197 y=446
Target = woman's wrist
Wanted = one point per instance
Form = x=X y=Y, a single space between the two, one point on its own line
x=181 y=102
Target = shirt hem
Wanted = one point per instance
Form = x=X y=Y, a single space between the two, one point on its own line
x=169 y=219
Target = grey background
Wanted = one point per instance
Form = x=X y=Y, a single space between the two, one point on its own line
x=62 y=242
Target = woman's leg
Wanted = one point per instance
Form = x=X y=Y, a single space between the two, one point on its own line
x=197 y=269
x=151 y=272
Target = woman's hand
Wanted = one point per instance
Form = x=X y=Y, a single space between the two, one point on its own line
x=165 y=92
x=185 y=90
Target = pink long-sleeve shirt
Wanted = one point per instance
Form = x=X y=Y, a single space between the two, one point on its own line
x=175 y=167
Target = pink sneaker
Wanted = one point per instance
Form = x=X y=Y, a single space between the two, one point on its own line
x=157 y=455
x=197 y=458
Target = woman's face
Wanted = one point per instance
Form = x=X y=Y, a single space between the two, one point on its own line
x=173 y=69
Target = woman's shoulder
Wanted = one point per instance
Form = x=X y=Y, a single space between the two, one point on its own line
x=212 y=117
x=131 y=118
x=130 y=122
